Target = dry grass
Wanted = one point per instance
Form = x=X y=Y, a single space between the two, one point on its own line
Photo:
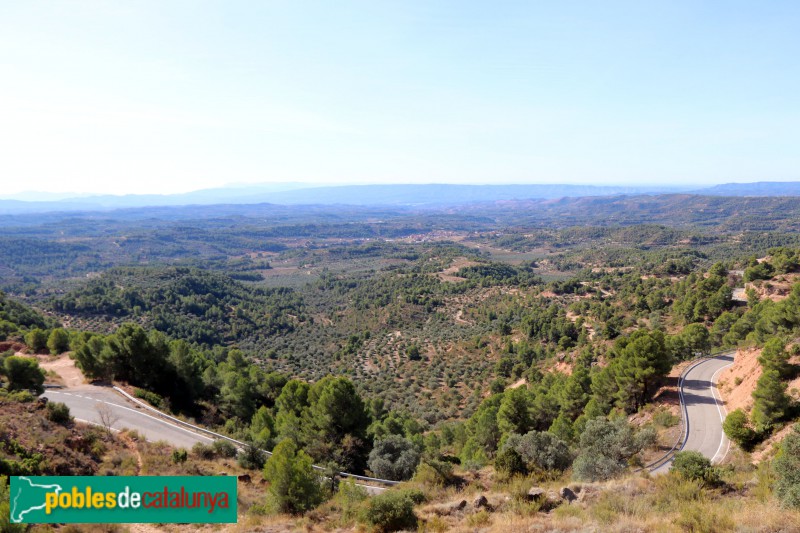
x=667 y=503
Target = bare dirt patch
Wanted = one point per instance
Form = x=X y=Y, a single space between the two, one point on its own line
x=563 y=367
x=16 y=346
x=518 y=383
x=776 y=289
x=459 y=317
x=448 y=274
x=768 y=448
x=65 y=368
x=738 y=381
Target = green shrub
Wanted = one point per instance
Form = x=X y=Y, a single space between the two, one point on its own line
x=737 y=428
x=223 y=448
x=416 y=495
x=673 y=491
x=508 y=462
x=434 y=473
x=665 y=419
x=21 y=396
x=58 y=412
x=393 y=457
x=23 y=374
x=203 y=451
x=606 y=447
x=787 y=470
x=179 y=456
x=540 y=450
x=251 y=457
x=349 y=499
x=150 y=397
x=392 y=510
x=694 y=466
x=479 y=520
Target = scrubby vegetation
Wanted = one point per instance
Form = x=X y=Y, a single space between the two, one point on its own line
x=460 y=354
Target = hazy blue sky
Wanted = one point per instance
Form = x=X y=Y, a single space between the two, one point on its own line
x=166 y=96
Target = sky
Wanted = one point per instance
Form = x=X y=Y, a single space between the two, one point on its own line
x=165 y=96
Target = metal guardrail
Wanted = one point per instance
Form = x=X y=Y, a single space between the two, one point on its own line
x=241 y=444
x=683 y=436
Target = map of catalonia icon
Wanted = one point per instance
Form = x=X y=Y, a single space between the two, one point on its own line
x=29 y=497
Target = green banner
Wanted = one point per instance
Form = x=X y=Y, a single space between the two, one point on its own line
x=122 y=500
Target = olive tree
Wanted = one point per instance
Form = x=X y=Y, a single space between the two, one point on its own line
x=394 y=457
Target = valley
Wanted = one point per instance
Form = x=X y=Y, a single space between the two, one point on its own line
x=459 y=337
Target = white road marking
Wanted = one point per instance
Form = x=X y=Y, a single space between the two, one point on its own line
x=369 y=488
x=161 y=420
x=720 y=408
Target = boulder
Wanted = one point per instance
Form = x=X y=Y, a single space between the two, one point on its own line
x=446 y=509
x=568 y=495
x=588 y=494
x=548 y=499
x=552 y=501
x=535 y=493
x=481 y=502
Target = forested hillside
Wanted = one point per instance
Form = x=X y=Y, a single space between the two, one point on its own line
x=413 y=350
x=198 y=306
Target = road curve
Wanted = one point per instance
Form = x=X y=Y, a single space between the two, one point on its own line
x=703 y=410
x=83 y=404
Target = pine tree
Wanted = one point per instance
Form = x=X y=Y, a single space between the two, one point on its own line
x=482 y=426
x=563 y=428
x=23 y=373
x=604 y=390
x=58 y=341
x=642 y=361
x=513 y=416
x=294 y=486
x=771 y=401
x=775 y=357
x=262 y=428
x=36 y=339
x=94 y=359
x=575 y=393
x=335 y=423
x=291 y=403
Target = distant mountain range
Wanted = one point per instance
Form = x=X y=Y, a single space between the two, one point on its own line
x=760 y=188
x=390 y=195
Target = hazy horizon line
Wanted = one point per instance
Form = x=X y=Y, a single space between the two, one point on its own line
x=29 y=195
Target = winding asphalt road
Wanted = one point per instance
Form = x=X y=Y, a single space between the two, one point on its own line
x=704 y=411
x=86 y=401
x=83 y=403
